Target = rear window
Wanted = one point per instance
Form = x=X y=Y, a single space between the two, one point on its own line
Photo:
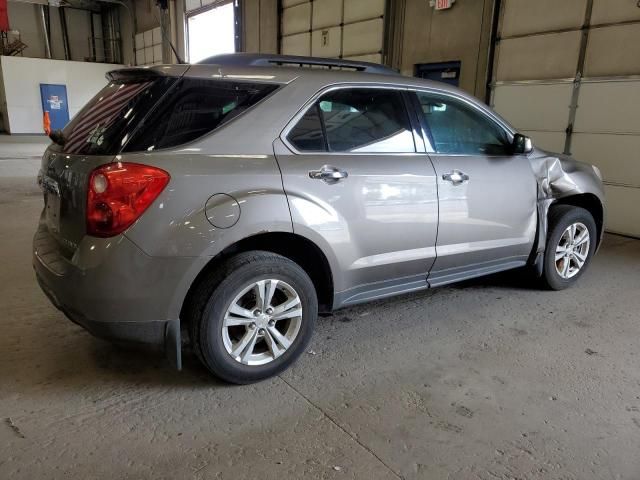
x=103 y=126
x=193 y=108
x=128 y=116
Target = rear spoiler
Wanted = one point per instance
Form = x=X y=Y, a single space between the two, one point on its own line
x=147 y=73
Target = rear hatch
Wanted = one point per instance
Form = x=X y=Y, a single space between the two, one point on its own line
x=95 y=136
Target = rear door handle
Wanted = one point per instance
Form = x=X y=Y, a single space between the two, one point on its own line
x=328 y=174
x=456 y=177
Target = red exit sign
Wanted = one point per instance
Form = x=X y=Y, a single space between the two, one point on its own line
x=442 y=4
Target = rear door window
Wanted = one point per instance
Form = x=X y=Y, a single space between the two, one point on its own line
x=308 y=135
x=193 y=108
x=355 y=120
x=366 y=120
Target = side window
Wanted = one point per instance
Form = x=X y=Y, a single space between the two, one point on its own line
x=363 y=120
x=366 y=120
x=459 y=128
x=307 y=135
x=193 y=108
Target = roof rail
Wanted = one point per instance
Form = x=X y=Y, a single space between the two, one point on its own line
x=262 y=60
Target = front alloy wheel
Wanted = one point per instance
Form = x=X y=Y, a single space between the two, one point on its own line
x=571 y=242
x=572 y=250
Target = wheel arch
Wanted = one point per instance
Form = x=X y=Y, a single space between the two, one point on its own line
x=590 y=203
x=290 y=245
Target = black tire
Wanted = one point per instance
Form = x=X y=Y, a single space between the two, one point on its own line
x=560 y=218
x=213 y=296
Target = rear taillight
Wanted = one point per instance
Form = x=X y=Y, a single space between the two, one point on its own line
x=119 y=193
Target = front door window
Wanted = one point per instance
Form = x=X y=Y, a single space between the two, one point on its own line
x=457 y=128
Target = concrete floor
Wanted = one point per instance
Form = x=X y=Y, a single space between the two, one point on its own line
x=490 y=379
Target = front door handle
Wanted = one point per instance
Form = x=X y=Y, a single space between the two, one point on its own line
x=456 y=177
x=328 y=174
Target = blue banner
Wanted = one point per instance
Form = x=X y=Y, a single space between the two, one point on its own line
x=54 y=101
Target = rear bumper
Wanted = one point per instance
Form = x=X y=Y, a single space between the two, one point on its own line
x=114 y=291
x=163 y=334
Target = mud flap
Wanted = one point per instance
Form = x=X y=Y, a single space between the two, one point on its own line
x=536 y=259
x=173 y=343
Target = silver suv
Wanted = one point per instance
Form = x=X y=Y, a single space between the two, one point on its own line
x=230 y=202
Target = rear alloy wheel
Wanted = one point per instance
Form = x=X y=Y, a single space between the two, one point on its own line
x=570 y=245
x=253 y=317
x=262 y=322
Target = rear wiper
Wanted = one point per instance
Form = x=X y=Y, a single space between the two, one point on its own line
x=58 y=137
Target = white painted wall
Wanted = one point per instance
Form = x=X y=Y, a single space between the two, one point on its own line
x=21 y=78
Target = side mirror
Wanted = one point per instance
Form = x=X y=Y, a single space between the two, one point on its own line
x=521 y=144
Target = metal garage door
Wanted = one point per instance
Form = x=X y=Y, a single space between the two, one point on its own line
x=351 y=29
x=577 y=90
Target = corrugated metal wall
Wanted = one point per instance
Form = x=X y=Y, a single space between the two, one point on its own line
x=260 y=26
x=352 y=29
x=568 y=74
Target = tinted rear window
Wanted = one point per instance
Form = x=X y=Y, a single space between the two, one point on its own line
x=193 y=108
x=104 y=124
x=129 y=116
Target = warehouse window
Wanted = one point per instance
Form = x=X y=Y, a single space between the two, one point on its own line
x=212 y=31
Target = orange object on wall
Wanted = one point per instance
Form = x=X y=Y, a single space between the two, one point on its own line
x=46 y=123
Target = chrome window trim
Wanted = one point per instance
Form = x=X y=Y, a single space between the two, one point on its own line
x=344 y=86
